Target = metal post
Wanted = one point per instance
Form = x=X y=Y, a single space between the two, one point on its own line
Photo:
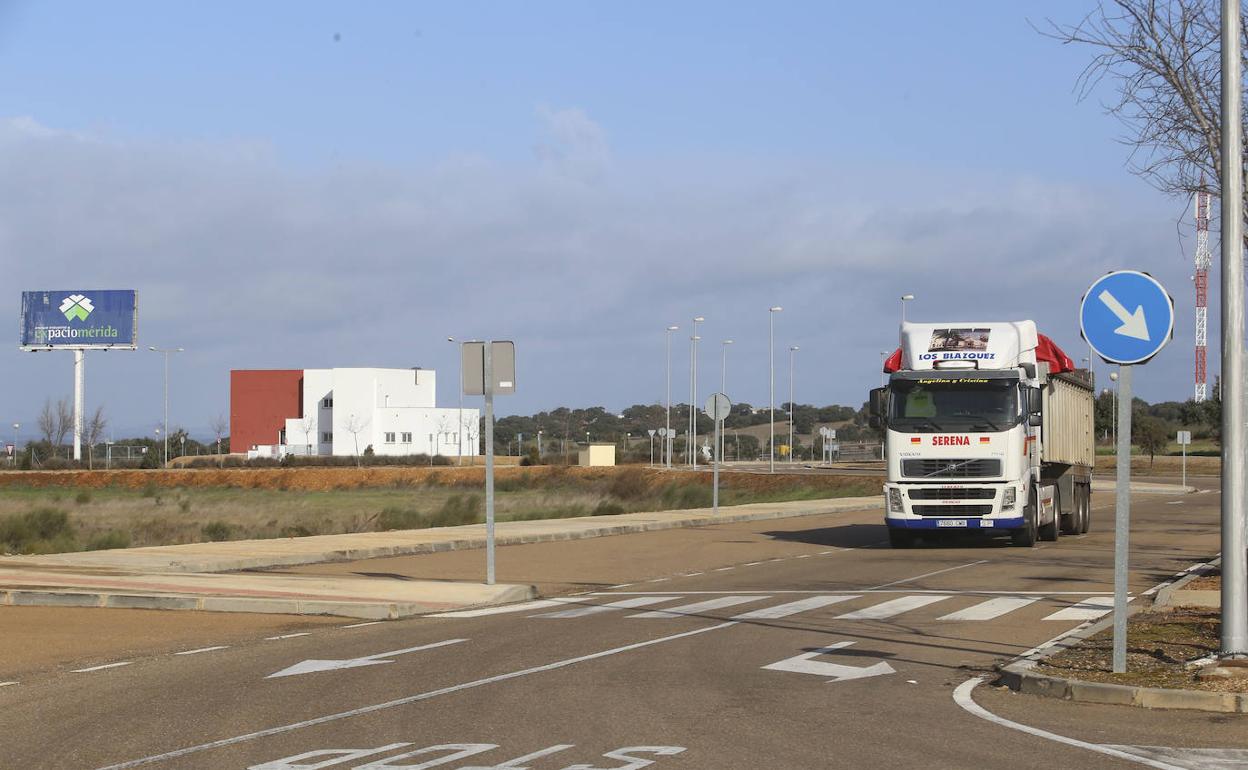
x=792 y=410
x=1234 y=447
x=1185 y=466
x=667 y=438
x=723 y=388
x=771 y=388
x=166 y=407
x=489 y=465
x=461 y=411
x=1122 y=521
x=79 y=387
x=715 y=481
x=693 y=392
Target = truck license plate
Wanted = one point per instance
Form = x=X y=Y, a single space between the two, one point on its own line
x=951 y=523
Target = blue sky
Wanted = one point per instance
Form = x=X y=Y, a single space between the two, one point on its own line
x=320 y=184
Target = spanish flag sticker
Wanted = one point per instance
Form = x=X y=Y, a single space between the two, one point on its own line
x=985 y=440
x=916 y=440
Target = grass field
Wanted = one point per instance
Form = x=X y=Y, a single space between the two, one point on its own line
x=76 y=510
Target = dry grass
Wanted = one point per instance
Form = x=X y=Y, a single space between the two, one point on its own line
x=138 y=508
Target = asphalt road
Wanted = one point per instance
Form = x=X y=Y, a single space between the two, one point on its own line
x=807 y=645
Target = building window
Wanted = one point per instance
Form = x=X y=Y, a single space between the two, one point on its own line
x=327 y=438
x=389 y=438
x=407 y=438
x=327 y=402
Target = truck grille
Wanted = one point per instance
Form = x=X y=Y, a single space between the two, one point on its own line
x=953 y=494
x=952 y=468
x=951 y=510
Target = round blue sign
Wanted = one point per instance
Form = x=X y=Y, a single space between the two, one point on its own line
x=1127 y=317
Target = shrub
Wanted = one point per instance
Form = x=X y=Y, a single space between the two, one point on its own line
x=217 y=531
x=185 y=505
x=607 y=508
x=393 y=517
x=457 y=510
x=114 y=538
x=629 y=484
x=83 y=497
x=43 y=530
x=296 y=530
x=149 y=490
x=687 y=495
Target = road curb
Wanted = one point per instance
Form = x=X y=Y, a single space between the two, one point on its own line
x=1019 y=674
x=363 y=610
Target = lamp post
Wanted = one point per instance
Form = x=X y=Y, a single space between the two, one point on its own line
x=460 y=419
x=792 y=410
x=13 y=460
x=723 y=387
x=771 y=388
x=667 y=438
x=166 y=352
x=904 y=299
x=539 y=445
x=693 y=392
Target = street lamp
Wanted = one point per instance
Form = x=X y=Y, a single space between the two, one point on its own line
x=792 y=409
x=539 y=443
x=904 y=299
x=166 y=352
x=723 y=388
x=693 y=391
x=667 y=439
x=771 y=387
x=461 y=407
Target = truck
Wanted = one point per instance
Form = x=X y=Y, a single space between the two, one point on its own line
x=988 y=426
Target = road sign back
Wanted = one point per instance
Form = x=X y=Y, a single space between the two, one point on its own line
x=1127 y=317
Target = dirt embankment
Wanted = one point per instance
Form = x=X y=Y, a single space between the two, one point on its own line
x=1163 y=465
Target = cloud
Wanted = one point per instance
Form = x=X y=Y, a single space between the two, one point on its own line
x=247 y=262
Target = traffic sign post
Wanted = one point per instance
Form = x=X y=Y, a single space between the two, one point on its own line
x=1126 y=317
x=717 y=408
x=651 y=432
x=489 y=368
x=1185 y=438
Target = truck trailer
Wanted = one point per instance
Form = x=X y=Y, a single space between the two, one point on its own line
x=988 y=426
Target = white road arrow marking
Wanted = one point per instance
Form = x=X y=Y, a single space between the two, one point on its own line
x=806 y=664
x=312 y=666
x=1133 y=324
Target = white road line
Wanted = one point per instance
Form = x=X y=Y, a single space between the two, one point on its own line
x=203 y=649
x=595 y=609
x=361 y=625
x=792 y=608
x=993 y=608
x=962 y=696
x=101 y=668
x=1089 y=609
x=892 y=607
x=522 y=607
x=409 y=699
x=6 y=684
x=934 y=591
x=697 y=607
x=802 y=556
x=659 y=580
x=286 y=636
x=751 y=564
x=723 y=569
x=691 y=574
x=623 y=585
x=930 y=574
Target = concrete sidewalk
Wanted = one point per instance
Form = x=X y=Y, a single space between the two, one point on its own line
x=205 y=576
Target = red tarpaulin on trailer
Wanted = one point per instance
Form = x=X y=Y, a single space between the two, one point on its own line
x=1046 y=350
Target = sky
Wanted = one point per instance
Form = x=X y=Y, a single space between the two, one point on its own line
x=316 y=184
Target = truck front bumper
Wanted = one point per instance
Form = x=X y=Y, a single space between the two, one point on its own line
x=950 y=506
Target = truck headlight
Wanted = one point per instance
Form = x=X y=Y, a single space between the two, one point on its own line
x=894 y=501
x=1007 y=499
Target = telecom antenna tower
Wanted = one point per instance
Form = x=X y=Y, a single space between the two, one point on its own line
x=1201 y=279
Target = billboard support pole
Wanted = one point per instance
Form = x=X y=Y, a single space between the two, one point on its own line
x=79 y=387
x=489 y=462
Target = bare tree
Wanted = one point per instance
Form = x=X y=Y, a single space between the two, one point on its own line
x=355 y=426
x=1164 y=59
x=94 y=430
x=308 y=426
x=219 y=426
x=474 y=430
x=62 y=421
x=47 y=422
x=444 y=428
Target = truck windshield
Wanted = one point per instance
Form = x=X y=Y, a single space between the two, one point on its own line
x=937 y=405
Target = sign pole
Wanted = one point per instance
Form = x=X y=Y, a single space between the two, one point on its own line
x=489 y=464
x=1122 y=519
x=715 y=481
x=79 y=387
x=1234 y=447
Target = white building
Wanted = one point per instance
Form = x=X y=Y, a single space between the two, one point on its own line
x=393 y=411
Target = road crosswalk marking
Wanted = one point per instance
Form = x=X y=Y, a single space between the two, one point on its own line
x=993 y=608
x=1088 y=609
x=503 y=609
x=595 y=609
x=892 y=607
x=792 y=608
x=697 y=607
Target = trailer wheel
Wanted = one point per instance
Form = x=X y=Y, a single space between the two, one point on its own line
x=1026 y=537
x=1071 y=522
x=899 y=538
x=1085 y=517
x=1051 y=531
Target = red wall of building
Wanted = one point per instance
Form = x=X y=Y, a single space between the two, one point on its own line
x=261 y=400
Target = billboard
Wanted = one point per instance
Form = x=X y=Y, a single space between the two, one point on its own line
x=79 y=318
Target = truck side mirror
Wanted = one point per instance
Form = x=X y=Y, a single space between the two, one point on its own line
x=874 y=422
x=1034 y=401
x=875 y=404
x=1035 y=420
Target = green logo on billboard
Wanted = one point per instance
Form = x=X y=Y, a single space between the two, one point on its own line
x=76 y=306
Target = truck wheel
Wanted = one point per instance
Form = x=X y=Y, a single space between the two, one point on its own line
x=1085 y=522
x=1051 y=531
x=1026 y=537
x=899 y=538
x=1070 y=523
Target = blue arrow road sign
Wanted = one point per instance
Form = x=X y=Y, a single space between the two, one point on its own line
x=1127 y=316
